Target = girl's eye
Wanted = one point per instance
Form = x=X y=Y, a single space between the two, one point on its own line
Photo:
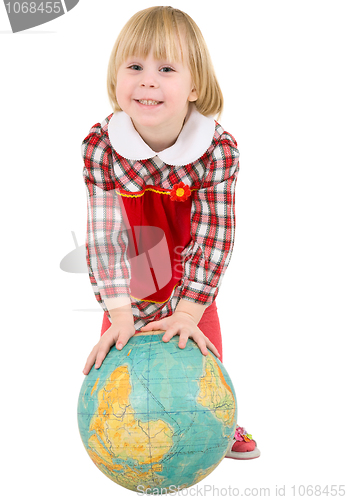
x=137 y=67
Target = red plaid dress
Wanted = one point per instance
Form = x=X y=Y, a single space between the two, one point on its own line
x=142 y=241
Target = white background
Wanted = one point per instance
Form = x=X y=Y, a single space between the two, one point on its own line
x=282 y=304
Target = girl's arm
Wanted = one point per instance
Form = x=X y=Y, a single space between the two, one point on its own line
x=212 y=225
x=208 y=255
x=193 y=309
x=106 y=246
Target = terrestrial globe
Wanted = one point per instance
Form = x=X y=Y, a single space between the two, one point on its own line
x=156 y=418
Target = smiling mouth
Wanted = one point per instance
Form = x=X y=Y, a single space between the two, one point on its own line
x=149 y=102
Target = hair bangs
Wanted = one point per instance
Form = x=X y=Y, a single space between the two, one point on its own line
x=157 y=33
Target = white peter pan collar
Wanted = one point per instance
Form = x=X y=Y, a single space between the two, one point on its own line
x=193 y=141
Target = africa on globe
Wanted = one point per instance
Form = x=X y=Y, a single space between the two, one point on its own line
x=156 y=418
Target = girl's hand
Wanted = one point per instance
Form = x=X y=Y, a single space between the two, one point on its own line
x=182 y=324
x=119 y=333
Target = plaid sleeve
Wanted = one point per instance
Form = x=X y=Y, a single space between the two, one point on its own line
x=106 y=241
x=212 y=226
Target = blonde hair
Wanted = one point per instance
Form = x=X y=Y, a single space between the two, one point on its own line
x=158 y=28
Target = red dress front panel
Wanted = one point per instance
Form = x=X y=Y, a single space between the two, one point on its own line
x=158 y=229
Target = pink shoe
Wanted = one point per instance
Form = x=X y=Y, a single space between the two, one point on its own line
x=242 y=447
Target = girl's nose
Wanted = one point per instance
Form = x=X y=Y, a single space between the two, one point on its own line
x=153 y=85
x=149 y=80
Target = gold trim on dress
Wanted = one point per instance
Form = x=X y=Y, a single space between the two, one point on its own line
x=148 y=189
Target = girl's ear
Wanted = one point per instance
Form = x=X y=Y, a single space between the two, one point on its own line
x=193 y=96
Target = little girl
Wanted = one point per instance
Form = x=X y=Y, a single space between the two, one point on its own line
x=160 y=174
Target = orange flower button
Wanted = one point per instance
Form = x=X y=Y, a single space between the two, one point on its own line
x=180 y=192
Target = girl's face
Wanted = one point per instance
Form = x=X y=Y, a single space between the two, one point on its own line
x=155 y=94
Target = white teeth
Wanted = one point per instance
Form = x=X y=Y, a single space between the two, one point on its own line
x=150 y=103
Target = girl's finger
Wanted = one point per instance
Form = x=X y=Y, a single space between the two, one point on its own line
x=88 y=366
x=100 y=357
x=104 y=346
x=184 y=336
x=154 y=325
x=122 y=340
x=90 y=360
x=170 y=332
x=202 y=345
x=212 y=348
